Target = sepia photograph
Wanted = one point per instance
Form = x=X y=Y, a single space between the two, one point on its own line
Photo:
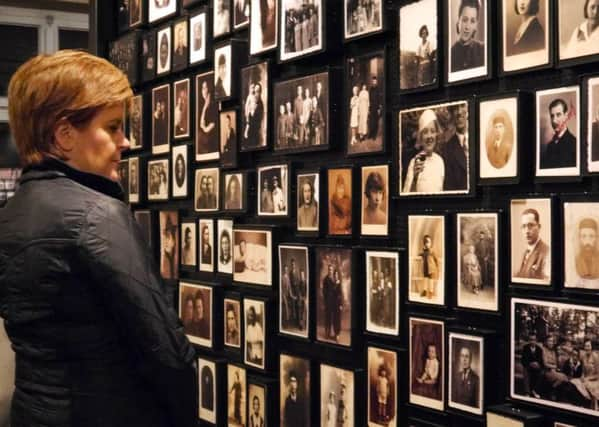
x=181 y=109
x=294 y=290
x=274 y=192
x=148 y=55
x=135 y=12
x=122 y=172
x=426 y=250
x=206 y=229
x=340 y=201
x=189 y=244
x=235 y=192
x=257 y=404
x=223 y=71
x=581 y=250
x=180 y=186
x=224 y=246
x=206 y=189
x=334 y=295
x=158 y=179
x=427 y=363
x=232 y=326
x=530 y=236
x=221 y=19
x=499 y=420
x=198 y=36
x=302 y=111
x=365 y=100
x=418 y=45
x=228 y=138
x=301 y=28
x=578 y=29
x=294 y=386
x=308 y=199
x=375 y=201
x=163 y=49
x=477 y=251
x=236 y=396
x=207 y=390
x=466 y=373
x=434 y=154
x=263 y=26
x=558 y=132
x=255 y=103
x=252 y=256
x=161 y=119
x=592 y=86
x=383 y=375
x=136 y=124
x=241 y=18
x=181 y=45
x=134 y=176
x=206 y=114
x=196 y=312
x=144 y=220
x=161 y=9
x=254 y=336
x=362 y=17
x=553 y=355
x=337 y=393
x=382 y=292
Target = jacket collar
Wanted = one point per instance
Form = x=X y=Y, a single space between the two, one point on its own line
x=52 y=168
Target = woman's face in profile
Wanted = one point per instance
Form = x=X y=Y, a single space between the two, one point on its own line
x=467 y=24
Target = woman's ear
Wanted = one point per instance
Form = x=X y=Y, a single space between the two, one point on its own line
x=64 y=135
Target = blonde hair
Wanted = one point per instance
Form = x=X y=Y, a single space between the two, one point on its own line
x=69 y=84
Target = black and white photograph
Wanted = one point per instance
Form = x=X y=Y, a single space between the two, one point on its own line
x=189 y=244
x=301 y=28
x=362 y=17
x=334 y=295
x=578 y=29
x=180 y=162
x=375 y=201
x=144 y=219
x=273 y=182
x=198 y=36
x=122 y=172
x=498 y=138
x=135 y=12
x=161 y=119
x=254 y=336
x=228 y=138
x=169 y=244
x=263 y=26
x=383 y=375
x=581 y=249
x=426 y=251
x=553 y=355
x=221 y=18
x=337 y=393
x=206 y=190
x=234 y=196
x=418 y=45
x=207 y=387
x=558 y=132
x=526 y=32
x=257 y=404
x=340 y=201
x=467 y=42
x=308 y=202
x=224 y=245
x=466 y=374
x=531 y=243
x=206 y=114
x=477 y=251
x=163 y=49
x=206 y=230
x=136 y=123
x=180 y=45
x=148 y=55
x=134 y=179
x=294 y=386
x=158 y=174
x=302 y=113
x=252 y=256
x=294 y=290
x=365 y=101
x=255 y=105
x=427 y=363
x=382 y=292
x=232 y=326
x=181 y=109
x=592 y=86
x=223 y=71
x=161 y=9
x=434 y=153
x=236 y=396
x=241 y=16
x=196 y=312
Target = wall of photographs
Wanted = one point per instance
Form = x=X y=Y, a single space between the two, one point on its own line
x=372 y=212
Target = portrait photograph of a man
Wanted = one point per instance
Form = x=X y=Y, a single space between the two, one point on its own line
x=134 y=174
x=382 y=287
x=294 y=290
x=498 y=138
x=223 y=71
x=197 y=44
x=294 y=386
x=181 y=45
x=255 y=336
x=256 y=405
x=236 y=396
x=581 y=245
x=466 y=380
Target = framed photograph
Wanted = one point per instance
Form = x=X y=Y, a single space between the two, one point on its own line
x=221 y=18
x=334 y=295
x=592 y=94
x=255 y=102
x=418 y=45
x=530 y=231
x=207 y=372
x=498 y=140
x=578 y=33
x=169 y=246
x=228 y=138
x=144 y=219
x=301 y=29
x=223 y=66
x=232 y=326
x=274 y=194
x=225 y=247
x=362 y=19
x=263 y=26
x=236 y=392
x=294 y=290
x=383 y=377
x=241 y=18
x=466 y=373
x=382 y=292
x=163 y=49
x=302 y=113
x=180 y=162
x=255 y=339
x=181 y=45
x=148 y=55
x=426 y=251
x=435 y=157
x=135 y=13
x=196 y=312
x=526 y=35
x=198 y=36
x=252 y=256
x=235 y=195
x=158 y=173
x=477 y=255
x=206 y=119
x=161 y=119
x=294 y=386
x=123 y=54
x=122 y=172
x=134 y=177
x=337 y=392
x=581 y=252
x=189 y=244
x=308 y=199
x=553 y=361
x=161 y=9
x=558 y=132
x=136 y=123
x=206 y=229
x=181 y=109
x=427 y=363
x=375 y=201
x=122 y=7
x=468 y=41
x=207 y=189
x=365 y=101
x=340 y=201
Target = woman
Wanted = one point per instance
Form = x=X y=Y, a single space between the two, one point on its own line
x=467 y=52
x=424 y=58
x=363 y=108
x=585 y=37
x=206 y=141
x=375 y=210
x=180 y=170
x=471 y=276
x=233 y=194
x=590 y=372
x=307 y=212
x=353 y=118
x=530 y=35
x=90 y=264
x=340 y=211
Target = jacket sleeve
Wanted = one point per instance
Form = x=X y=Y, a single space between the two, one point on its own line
x=129 y=285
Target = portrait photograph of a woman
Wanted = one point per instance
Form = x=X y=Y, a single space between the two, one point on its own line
x=578 y=28
x=206 y=119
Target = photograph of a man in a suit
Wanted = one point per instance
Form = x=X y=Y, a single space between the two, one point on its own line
x=532 y=360
x=455 y=152
x=499 y=147
x=560 y=151
x=534 y=263
x=465 y=382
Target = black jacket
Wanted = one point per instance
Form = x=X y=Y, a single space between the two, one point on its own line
x=96 y=343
